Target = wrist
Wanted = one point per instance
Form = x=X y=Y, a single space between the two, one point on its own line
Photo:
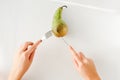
x=94 y=78
x=14 y=76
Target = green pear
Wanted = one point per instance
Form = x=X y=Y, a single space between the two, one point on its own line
x=59 y=27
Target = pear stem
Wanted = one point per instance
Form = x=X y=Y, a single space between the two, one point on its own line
x=64 y=6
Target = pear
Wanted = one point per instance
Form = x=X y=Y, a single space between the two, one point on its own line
x=59 y=27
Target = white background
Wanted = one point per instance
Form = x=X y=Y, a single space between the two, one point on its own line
x=95 y=32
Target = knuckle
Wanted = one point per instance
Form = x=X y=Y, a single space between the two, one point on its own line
x=22 y=45
x=25 y=55
x=82 y=65
x=90 y=59
x=26 y=43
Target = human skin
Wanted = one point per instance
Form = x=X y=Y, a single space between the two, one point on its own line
x=23 y=60
x=25 y=55
x=85 y=66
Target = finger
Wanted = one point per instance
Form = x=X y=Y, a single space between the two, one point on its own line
x=32 y=56
x=32 y=48
x=75 y=63
x=74 y=53
x=25 y=46
x=81 y=55
x=84 y=59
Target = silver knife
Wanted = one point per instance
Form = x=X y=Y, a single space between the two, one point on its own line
x=65 y=41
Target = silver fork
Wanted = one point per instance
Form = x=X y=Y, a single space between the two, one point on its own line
x=47 y=35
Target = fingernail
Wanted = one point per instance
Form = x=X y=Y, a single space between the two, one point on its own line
x=40 y=40
x=70 y=46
